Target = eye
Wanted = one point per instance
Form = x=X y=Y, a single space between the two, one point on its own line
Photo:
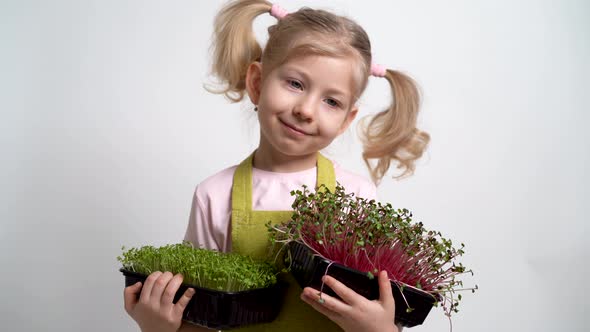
x=295 y=84
x=332 y=102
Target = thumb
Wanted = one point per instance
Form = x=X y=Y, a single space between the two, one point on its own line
x=130 y=294
x=385 y=293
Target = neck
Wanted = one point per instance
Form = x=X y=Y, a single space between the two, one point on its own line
x=269 y=159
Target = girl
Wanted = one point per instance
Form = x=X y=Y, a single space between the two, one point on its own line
x=304 y=86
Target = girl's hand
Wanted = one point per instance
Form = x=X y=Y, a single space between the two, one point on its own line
x=154 y=310
x=355 y=312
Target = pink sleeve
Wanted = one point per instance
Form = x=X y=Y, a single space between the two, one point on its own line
x=368 y=190
x=357 y=184
x=199 y=230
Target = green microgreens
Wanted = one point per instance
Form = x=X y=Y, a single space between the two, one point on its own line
x=228 y=272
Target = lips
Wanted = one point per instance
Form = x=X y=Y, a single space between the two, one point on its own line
x=294 y=128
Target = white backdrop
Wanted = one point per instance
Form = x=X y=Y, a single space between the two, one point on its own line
x=106 y=129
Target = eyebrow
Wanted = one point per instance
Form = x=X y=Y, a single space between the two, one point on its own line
x=332 y=91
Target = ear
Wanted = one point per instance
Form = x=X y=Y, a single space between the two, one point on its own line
x=254 y=81
x=348 y=120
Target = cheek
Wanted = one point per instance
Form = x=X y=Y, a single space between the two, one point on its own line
x=332 y=122
x=275 y=99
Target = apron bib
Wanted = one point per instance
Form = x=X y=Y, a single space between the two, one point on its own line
x=250 y=237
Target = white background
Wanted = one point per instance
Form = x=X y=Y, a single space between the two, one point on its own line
x=106 y=129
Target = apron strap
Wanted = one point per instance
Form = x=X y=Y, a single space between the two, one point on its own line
x=241 y=192
x=326 y=174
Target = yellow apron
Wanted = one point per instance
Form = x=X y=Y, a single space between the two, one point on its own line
x=250 y=237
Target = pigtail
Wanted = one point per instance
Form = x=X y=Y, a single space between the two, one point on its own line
x=392 y=134
x=235 y=45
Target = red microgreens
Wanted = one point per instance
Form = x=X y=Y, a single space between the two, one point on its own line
x=370 y=236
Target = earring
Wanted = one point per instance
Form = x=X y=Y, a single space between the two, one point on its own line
x=255 y=108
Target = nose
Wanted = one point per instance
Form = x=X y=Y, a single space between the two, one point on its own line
x=305 y=110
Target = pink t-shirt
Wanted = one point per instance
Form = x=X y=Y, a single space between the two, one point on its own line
x=209 y=221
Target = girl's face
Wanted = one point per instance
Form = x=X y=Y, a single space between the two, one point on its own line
x=303 y=104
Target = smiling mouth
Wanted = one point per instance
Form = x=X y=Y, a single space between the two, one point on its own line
x=300 y=131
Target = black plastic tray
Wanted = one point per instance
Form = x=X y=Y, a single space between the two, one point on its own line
x=308 y=269
x=224 y=310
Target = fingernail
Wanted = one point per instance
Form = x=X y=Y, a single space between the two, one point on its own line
x=191 y=291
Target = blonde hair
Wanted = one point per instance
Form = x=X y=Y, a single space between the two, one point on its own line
x=388 y=135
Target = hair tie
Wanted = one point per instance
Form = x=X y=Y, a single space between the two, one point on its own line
x=377 y=70
x=278 y=11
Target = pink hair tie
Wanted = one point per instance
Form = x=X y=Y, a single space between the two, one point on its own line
x=278 y=11
x=377 y=70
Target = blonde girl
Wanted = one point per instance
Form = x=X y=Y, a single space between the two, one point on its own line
x=304 y=86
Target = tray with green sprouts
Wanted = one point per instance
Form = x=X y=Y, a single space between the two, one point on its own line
x=231 y=290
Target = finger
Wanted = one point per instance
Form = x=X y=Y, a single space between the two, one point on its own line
x=130 y=296
x=183 y=301
x=146 y=291
x=160 y=286
x=346 y=294
x=171 y=289
x=385 y=294
x=329 y=302
x=333 y=316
